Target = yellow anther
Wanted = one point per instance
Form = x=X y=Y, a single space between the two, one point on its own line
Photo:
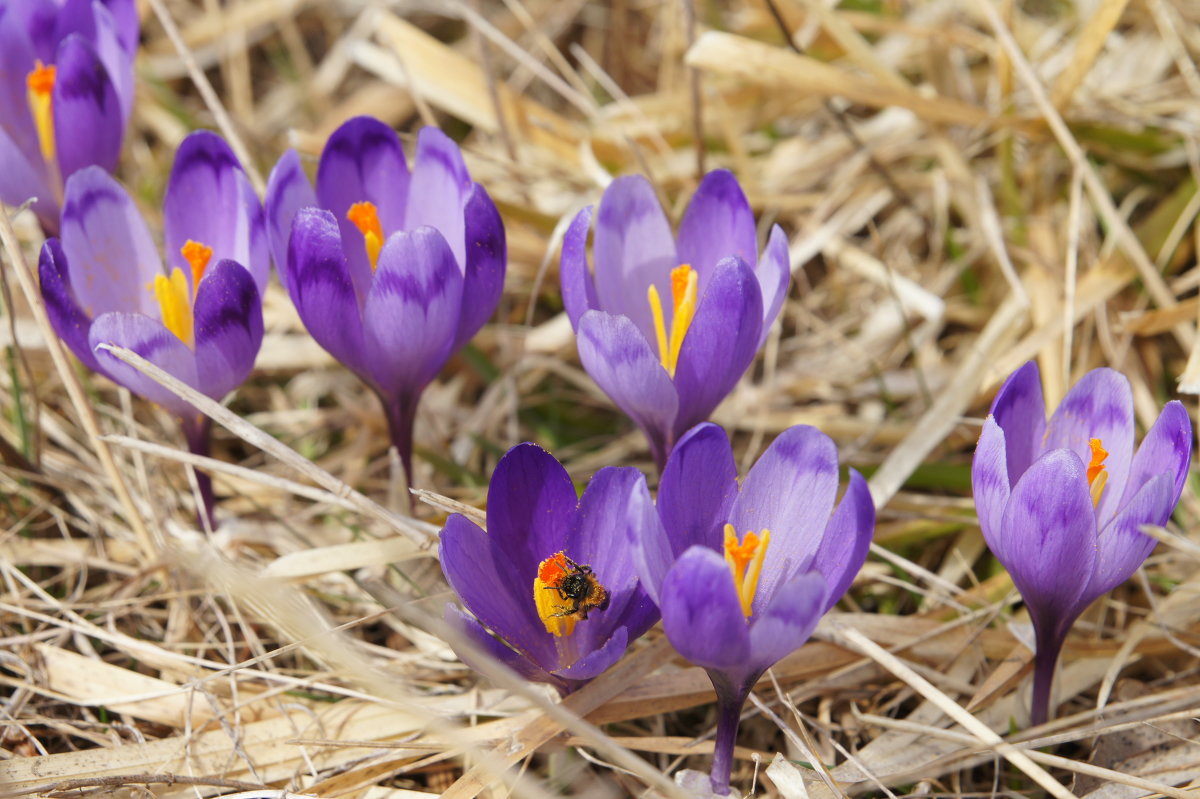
x=553 y=608
x=366 y=219
x=745 y=563
x=685 y=283
x=172 y=295
x=1097 y=474
x=40 y=87
x=197 y=255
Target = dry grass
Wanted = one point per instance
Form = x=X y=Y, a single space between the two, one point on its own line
x=966 y=186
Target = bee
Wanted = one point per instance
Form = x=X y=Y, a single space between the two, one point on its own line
x=580 y=587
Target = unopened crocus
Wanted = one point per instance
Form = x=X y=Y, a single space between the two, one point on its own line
x=666 y=326
x=392 y=272
x=551 y=584
x=200 y=318
x=743 y=574
x=66 y=90
x=1062 y=503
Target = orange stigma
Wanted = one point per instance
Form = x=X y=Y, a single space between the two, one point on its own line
x=366 y=219
x=40 y=86
x=745 y=563
x=685 y=283
x=197 y=255
x=1097 y=475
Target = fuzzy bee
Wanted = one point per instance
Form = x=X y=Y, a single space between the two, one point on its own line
x=579 y=586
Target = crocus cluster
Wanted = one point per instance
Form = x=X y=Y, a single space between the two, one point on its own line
x=200 y=319
x=391 y=272
x=666 y=326
x=66 y=90
x=1062 y=503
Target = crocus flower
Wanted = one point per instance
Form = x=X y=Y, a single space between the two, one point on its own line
x=667 y=327
x=66 y=90
x=199 y=319
x=391 y=272
x=1062 y=503
x=743 y=575
x=551 y=584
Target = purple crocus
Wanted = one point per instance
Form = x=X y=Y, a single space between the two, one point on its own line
x=667 y=327
x=1062 y=503
x=551 y=584
x=391 y=272
x=66 y=90
x=199 y=319
x=743 y=575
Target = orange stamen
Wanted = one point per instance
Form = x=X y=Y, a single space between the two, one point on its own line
x=684 y=289
x=1097 y=474
x=552 y=607
x=40 y=86
x=366 y=218
x=745 y=563
x=197 y=255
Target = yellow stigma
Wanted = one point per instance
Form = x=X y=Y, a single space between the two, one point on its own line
x=197 y=255
x=40 y=86
x=552 y=607
x=366 y=219
x=1097 y=474
x=745 y=563
x=684 y=287
x=172 y=295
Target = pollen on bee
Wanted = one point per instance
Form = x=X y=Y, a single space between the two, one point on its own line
x=564 y=592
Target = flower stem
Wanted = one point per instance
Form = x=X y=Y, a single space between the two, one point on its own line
x=1045 y=660
x=731 y=697
x=401 y=413
x=198 y=433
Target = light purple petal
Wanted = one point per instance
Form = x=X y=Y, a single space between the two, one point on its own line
x=989 y=482
x=787 y=621
x=847 y=539
x=229 y=328
x=363 y=162
x=322 y=290
x=88 y=120
x=578 y=288
x=1123 y=547
x=720 y=343
x=774 y=273
x=288 y=190
x=470 y=628
x=148 y=338
x=437 y=193
x=633 y=248
x=790 y=491
x=125 y=20
x=1099 y=406
x=618 y=358
x=411 y=313
x=596 y=661
x=112 y=258
x=66 y=317
x=487 y=261
x=1021 y=414
x=18 y=50
x=697 y=489
x=1048 y=537
x=718 y=224
x=1167 y=447
x=701 y=613
x=23 y=177
x=116 y=35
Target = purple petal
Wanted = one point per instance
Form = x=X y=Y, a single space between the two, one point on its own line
x=438 y=190
x=989 y=482
x=210 y=200
x=110 y=36
x=697 y=489
x=718 y=224
x=411 y=313
x=633 y=248
x=847 y=539
x=617 y=356
x=578 y=288
x=66 y=317
x=472 y=630
x=322 y=291
x=125 y=21
x=789 y=491
x=774 y=273
x=148 y=338
x=363 y=162
x=1166 y=448
x=1021 y=414
x=701 y=612
x=1048 y=537
x=229 y=328
x=720 y=343
x=88 y=120
x=18 y=50
x=1123 y=547
x=108 y=247
x=23 y=176
x=288 y=190
x=785 y=623
x=596 y=661
x=1099 y=406
x=487 y=261
x=489 y=584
